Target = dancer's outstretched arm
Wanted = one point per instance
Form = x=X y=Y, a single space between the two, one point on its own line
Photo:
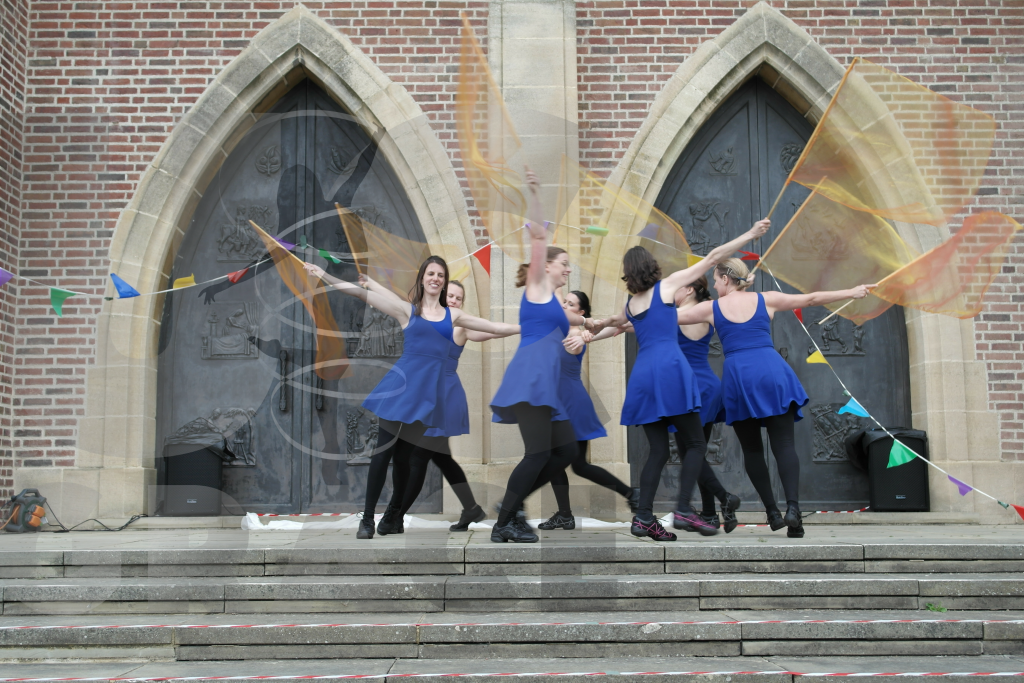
x=390 y=303
x=777 y=301
x=470 y=322
x=687 y=276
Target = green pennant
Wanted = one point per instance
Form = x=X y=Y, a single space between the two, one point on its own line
x=327 y=255
x=57 y=297
x=899 y=455
x=1006 y=506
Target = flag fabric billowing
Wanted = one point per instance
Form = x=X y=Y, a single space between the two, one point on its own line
x=854 y=408
x=124 y=290
x=5 y=277
x=962 y=487
x=183 y=282
x=57 y=298
x=234 y=277
x=331 y=359
x=899 y=455
x=817 y=357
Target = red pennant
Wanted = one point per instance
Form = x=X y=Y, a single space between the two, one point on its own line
x=748 y=256
x=237 y=275
x=1019 y=509
x=483 y=255
x=799 y=313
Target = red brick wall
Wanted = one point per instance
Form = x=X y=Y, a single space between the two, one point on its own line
x=13 y=47
x=107 y=82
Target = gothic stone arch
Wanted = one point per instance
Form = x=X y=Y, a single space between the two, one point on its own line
x=948 y=386
x=114 y=459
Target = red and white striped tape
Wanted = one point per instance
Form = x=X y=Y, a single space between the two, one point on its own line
x=531 y=623
x=305 y=514
x=148 y=679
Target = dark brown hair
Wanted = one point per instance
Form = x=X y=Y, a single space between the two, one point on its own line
x=416 y=293
x=641 y=270
x=700 y=289
x=524 y=268
x=584 y=303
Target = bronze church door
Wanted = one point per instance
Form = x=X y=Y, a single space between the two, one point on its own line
x=236 y=359
x=727 y=178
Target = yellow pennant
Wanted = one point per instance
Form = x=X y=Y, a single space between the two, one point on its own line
x=816 y=357
x=183 y=282
x=692 y=259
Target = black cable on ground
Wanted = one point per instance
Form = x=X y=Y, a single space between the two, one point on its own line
x=65 y=529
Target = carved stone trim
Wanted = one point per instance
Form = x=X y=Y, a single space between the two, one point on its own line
x=228 y=432
x=830 y=429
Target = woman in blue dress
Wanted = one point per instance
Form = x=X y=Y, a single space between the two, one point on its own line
x=585 y=423
x=759 y=389
x=694 y=342
x=529 y=393
x=411 y=397
x=662 y=391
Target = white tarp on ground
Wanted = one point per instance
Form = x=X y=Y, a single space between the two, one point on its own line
x=253 y=522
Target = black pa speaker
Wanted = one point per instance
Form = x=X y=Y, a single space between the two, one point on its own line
x=896 y=489
x=193 y=481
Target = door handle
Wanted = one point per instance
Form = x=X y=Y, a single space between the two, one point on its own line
x=282 y=370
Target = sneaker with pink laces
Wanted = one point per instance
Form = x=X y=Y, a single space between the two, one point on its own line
x=690 y=521
x=651 y=529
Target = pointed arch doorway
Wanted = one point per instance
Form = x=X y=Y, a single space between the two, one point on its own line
x=235 y=362
x=727 y=177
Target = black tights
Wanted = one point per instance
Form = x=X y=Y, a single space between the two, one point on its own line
x=690 y=437
x=582 y=468
x=708 y=484
x=549 y=448
x=396 y=441
x=450 y=470
x=780 y=436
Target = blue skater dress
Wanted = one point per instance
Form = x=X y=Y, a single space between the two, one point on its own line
x=661 y=383
x=696 y=352
x=756 y=380
x=582 y=416
x=413 y=390
x=534 y=374
x=456 y=409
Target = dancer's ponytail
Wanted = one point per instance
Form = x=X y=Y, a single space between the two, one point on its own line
x=737 y=271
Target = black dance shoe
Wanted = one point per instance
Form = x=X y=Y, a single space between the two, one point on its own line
x=365 y=530
x=729 y=508
x=795 y=532
x=392 y=522
x=633 y=500
x=470 y=516
x=793 y=518
x=512 y=532
x=689 y=521
x=651 y=529
x=775 y=520
x=558 y=521
x=711 y=518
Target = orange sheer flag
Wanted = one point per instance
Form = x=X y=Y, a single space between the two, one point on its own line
x=827 y=246
x=352 y=226
x=953 y=278
x=487 y=139
x=331 y=360
x=891 y=147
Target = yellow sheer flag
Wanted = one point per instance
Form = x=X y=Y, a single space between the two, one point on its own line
x=331 y=359
x=953 y=278
x=817 y=357
x=352 y=226
x=487 y=139
x=891 y=147
x=183 y=282
x=828 y=246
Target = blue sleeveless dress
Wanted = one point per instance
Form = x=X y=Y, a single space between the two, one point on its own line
x=456 y=409
x=756 y=380
x=696 y=352
x=661 y=383
x=582 y=415
x=534 y=373
x=413 y=390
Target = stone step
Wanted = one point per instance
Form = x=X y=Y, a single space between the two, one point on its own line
x=442 y=554
x=482 y=636
x=537 y=669
x=329 y=594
